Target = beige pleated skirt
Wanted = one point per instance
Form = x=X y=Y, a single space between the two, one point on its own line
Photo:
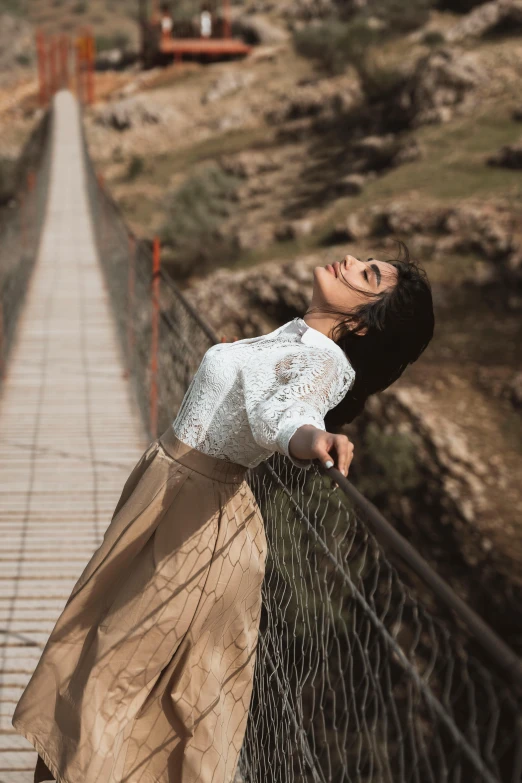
x=147 y=674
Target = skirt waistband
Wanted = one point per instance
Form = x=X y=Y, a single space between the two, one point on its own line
x=212 y=467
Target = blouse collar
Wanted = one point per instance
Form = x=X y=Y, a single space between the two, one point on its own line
x=312 y=336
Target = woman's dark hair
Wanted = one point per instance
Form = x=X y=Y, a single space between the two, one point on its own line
x=399 y=324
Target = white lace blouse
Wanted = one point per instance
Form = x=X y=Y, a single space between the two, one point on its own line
x=248 y=397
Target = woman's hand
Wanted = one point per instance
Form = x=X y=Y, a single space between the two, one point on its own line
x=309 y=442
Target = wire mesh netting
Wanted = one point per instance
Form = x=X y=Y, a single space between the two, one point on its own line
x=354 y=680
x=21 y=224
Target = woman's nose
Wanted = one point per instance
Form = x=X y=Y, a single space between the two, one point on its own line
x=350 y=260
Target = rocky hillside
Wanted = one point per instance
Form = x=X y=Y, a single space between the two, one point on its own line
x=341 y=136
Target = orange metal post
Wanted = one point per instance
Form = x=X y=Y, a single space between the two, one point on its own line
x=130 y=307
x=40 y=49
x=156 y=261
x=226 y=18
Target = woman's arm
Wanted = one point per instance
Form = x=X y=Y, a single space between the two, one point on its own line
x=308 y=442
x=308 y=383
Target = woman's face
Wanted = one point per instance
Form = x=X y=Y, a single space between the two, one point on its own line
x=330 y=287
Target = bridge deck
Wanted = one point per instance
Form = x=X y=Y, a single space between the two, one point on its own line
x=70 y=433
x=211 y=46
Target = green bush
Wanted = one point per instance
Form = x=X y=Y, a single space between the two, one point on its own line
x=433 y=38
x=135 y=167
x=14 y=7
x=379 y=81
x=24 y=59
x=400 y=17
x=393 y=460
x=119 y=40
x=334 y=45
x=7 y=170
x=195 y=213
x=459 y=6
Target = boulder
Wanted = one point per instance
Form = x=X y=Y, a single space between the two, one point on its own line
x=129 y=113
x=310 y=100
x=305 y=11
x=515 y=390
x=484 y=19
x=253 y=237
x=514 y=263
x=249 y=164
x=294 y=229
x=408 y=151
x=398 y=217
x=17 y=49
x=356 y=226
x=257 y=29
x=227 y=84
x=374 y=153
x=478 y=230
x=442 y=83
x=513 y=269
x=509 y=157
x=351 y=185
x=255 y=300
x=238 y=117
x=484 y=273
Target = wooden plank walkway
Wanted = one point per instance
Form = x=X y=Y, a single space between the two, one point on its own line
x=70 y=433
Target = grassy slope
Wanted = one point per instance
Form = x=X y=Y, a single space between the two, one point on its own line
x=451 y=169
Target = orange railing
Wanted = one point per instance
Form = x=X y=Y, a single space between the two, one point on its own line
x=56 y=64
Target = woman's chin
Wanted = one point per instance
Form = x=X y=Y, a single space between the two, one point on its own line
x=321 y=273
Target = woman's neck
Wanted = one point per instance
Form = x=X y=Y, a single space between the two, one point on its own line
x=324 y=323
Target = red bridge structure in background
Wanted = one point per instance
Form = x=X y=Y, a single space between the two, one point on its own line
x=164 y=37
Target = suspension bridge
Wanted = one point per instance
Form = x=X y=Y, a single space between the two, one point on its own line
x=355 y=679
x=64 y=406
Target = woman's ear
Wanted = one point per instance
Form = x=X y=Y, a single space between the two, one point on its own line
x=354 y=323
x=362 y=330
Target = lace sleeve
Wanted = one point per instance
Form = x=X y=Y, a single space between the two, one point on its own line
x=306 y=384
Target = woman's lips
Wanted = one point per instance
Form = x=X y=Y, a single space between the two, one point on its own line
x=330 y=269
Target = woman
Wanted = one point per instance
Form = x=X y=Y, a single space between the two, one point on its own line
x=147 y=675
x=206 y=23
